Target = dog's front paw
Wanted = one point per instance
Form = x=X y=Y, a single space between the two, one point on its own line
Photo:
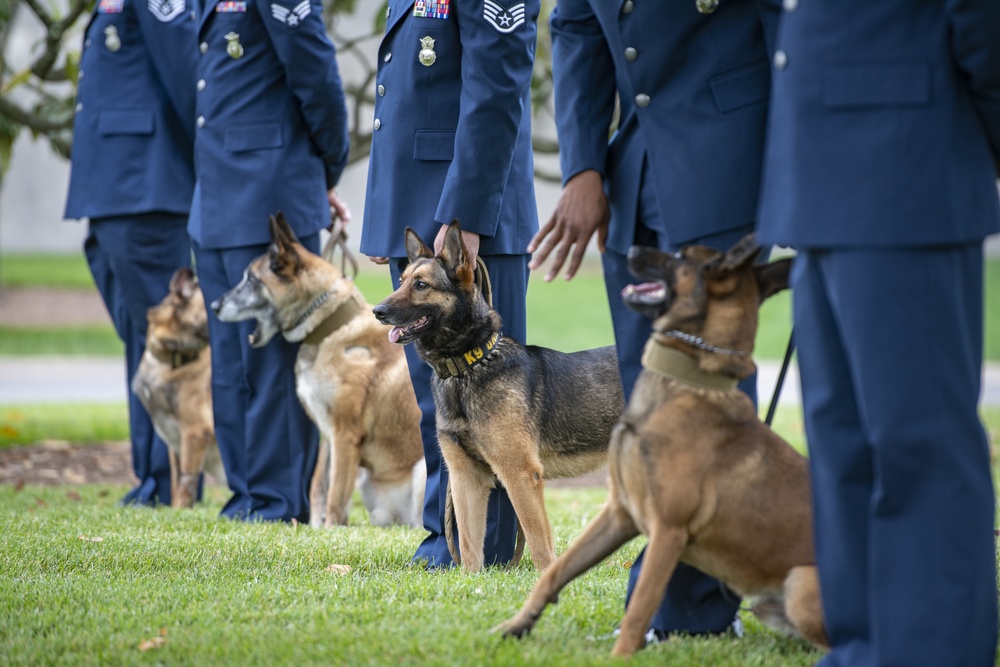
x=519 y=626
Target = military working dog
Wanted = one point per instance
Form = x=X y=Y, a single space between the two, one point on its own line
x=174 y=383
x=351 y=380
x=691 y=466
x=506 y=411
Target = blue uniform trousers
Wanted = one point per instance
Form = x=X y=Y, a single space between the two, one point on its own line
x=267 y=441
x=509 y=278
x=900 y=465
x=132 y=259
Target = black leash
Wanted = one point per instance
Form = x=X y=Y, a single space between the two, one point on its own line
x=781 y=378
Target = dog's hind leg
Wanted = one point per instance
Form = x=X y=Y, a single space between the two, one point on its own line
x=470 y=490
x=319 y=485
x=662 y=554
x=524 y=484
x=345 y=456
x=610 y=529
x=803 y=604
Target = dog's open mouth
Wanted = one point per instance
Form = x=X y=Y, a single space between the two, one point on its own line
x=405 y=334
x=645 y=294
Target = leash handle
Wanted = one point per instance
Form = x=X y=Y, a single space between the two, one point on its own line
x=338 y=239
x=781 y=378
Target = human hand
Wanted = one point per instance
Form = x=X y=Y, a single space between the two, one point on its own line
x=339 y=206
x=581 y=211
x=378 y=260
x=469 y=239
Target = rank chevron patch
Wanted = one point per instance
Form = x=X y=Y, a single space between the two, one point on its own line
x=292 y=16
x=166 y=10
x=504 y=19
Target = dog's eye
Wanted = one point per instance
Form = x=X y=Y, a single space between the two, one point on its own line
x=420 y=285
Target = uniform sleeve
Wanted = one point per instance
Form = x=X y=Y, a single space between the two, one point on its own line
x=584 y=86
x=169 y=32
x=299 y=37
x=496 y=72
x=975 y=31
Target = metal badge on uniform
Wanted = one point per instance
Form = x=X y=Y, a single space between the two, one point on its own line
x=706 y=6
x=291 y=17
x=166 y=10
x=111 y=39
x=432 y=9
x=427 y=56
x=504 y=19
x=233 y=46
x=110 y=6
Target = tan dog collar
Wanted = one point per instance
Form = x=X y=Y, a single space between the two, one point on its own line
x=338 y=318
x=679 y=366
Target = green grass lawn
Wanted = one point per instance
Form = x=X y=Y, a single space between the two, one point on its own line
x=85 y=582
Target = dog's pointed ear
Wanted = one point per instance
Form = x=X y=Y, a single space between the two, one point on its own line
x=281 y=253
x=453 y=251
x=773 y=277
x=281 y=231
x=744 y=252
x=415 y=248
x=183 y=283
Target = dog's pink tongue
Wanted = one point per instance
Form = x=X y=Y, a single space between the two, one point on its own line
x=394 y=334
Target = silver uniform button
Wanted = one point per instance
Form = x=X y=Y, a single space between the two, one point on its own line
x=642 y=100
x=628 y=7
x=193 y=15
x=200 y=122
x=790 y=5
x=80 y=75
x=378 y=124
x=79 y=107
x=388 y=57
x=381 y=90
x=201 y=85
x=87 y=43
x=780 y=59
x=203 y=47
x=631 y=53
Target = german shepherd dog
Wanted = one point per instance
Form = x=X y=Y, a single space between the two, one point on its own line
x=174 y=383
x=504 y=411
x=691 y=466
x=351 y=380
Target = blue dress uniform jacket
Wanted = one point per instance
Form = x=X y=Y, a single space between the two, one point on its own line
x=692 y=87
x=134 y=122
x=452 y=139
x=926 y=66
x=132 y=175
x=881 y=170
x=271 y=120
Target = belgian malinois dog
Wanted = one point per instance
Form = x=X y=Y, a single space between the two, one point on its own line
x=520 y=414
x=351 y=380
x=174 y=383
x=691 y=466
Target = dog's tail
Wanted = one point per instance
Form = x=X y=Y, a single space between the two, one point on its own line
x=449 y=533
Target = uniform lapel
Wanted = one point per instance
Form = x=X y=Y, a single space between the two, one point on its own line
x=205 y=9
x=397 y=10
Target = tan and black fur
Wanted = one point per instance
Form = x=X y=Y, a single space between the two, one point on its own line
x=174 y=383
x=691 y=466
x=352 y=381
x=520 y=414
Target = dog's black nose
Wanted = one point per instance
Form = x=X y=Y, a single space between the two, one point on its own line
x=381 y=311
